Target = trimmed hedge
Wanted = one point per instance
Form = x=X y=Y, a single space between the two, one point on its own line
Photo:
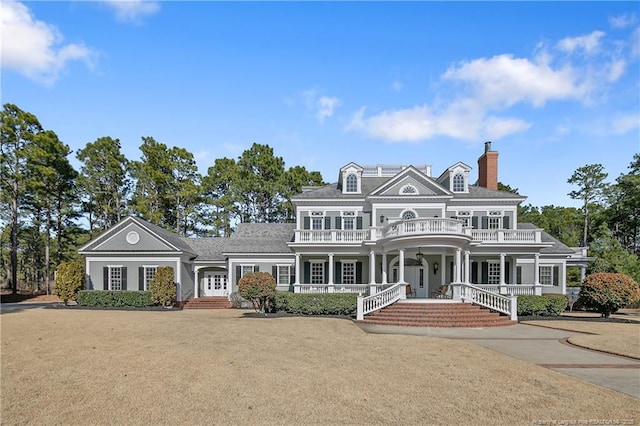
x=545 y=305
x=114 y=298
x=316 y=304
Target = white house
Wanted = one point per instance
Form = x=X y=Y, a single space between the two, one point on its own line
x=375 y=230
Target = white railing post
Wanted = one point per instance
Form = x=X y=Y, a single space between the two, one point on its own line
x=360 y=309
x=513 y=307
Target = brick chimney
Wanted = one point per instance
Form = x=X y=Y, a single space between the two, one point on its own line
x=488 y=168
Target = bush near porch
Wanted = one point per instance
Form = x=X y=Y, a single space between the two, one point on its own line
x=606 y=292
x=116 y=299
x=316 y=304
x=545 y=305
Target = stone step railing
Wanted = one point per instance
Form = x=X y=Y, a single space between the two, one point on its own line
x=379 y=300
x=489 y=299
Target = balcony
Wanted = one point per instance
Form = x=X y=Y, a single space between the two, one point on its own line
x=432 y=226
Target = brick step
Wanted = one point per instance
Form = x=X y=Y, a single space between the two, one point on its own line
x=437 y=315
x=498 y=322
x=208 y=303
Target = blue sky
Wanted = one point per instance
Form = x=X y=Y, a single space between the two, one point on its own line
x=554 y=85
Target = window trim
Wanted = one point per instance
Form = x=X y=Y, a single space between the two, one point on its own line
x=288 y=274
x=493 y=263
x=343 y=264
x=415 y=215
x=355 y=181
x=111 y=269
x=243 y=265
x=317 y=264
x=463 y=182
x=147 y=282
x=550 y=276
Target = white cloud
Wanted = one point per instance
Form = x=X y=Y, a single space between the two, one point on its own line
x=132 y=10
x=623 y=21
x=503 y=80
x=625 y=123
x=326 y=105
x=396 y=86
x=35 y=48
x=589 y=43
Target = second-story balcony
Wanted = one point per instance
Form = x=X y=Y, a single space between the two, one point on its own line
x=431 y=226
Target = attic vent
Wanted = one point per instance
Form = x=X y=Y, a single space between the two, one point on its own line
x=408 y=189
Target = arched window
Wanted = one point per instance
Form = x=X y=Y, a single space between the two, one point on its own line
x=408 y=189
x=408 y=214
x=352 y=183
x=458 y=183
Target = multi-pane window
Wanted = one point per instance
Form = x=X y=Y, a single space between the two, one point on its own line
x=316 y=223
x=317 y=273
x=115 y=278
x=348 y=223
x=494 y=273
x=421 y=277
x=348 y=272
x=149 y=274
x=284 y=272
x=352 y=183
x=546 y=275
x=495 y=222
x=247 y=269
x=458 y=183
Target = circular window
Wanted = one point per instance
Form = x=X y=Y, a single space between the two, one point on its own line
x=408 y=214
x=133 y=237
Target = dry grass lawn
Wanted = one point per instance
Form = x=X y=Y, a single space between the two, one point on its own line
x=616 y=338
x=217 y=367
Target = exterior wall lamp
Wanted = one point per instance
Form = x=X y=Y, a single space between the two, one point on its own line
x=381 y=219
x=419 y=256
x=435 y=268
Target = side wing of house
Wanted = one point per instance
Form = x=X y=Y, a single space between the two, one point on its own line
x=127 y=256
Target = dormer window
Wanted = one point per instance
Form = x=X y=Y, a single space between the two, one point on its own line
x=408 y=189
x=458 y=183
x=351 y=183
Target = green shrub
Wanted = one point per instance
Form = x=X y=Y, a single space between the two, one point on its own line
x=163 y=288
x=316 y=304
x=607 y=292
x=70 y=279
x=259 y=288
x=117 y=299
x=545 y=305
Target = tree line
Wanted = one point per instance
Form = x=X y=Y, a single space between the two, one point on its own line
x=48 y=209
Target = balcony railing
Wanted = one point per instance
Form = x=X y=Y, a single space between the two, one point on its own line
x=424 y=226
x=432 y=225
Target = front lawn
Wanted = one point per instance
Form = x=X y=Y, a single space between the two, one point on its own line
x=216 y=367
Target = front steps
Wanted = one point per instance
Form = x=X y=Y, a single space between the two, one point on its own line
x=437 y=315
x=208 y=303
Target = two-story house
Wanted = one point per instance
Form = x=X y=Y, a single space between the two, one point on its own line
x=376 y=227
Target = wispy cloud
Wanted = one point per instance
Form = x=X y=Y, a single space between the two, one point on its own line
x=35 y=48
x=477 y=94
x=322 y=106
x=326 y=105
x=132 y=11
x=623 y=21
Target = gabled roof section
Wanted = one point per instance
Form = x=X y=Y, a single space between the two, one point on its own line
x=133 y=234
x=458 y=165
x=425 y=185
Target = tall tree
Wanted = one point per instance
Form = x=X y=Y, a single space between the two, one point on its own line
x=293 y=181
x=591 y=188
x=103 y=182
x=221 y=193
x=623 y=215
x=17 y=131
x=186 y=184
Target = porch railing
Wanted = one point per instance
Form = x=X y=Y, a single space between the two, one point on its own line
x=378 y=301
x=331 y=288
x=331 y=236
x=489 y=299
x=507 y=235
x=515 y=289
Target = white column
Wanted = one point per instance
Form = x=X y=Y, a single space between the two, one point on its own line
x=196 y=286
x=372 y=267
x=330 y=277
x=536 y=269
x=401 y=266
x=502 y=268
x=456 y=270
x=178 y=281
x=384 y=267
x=297 y=269
x=443 y=269
x=467 y=267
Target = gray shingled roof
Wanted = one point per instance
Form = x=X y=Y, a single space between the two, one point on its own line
x=261 y=238
x=208 y=248
x=482 y=192
x=557 y=247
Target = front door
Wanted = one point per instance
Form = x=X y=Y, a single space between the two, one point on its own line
x=215 y=284
x=417 y=277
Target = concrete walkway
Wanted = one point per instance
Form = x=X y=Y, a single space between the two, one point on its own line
x=542 y=346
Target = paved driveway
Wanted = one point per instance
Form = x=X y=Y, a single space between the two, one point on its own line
x=542 y=346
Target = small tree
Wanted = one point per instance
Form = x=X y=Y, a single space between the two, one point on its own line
x=70 y=278
x=607 y=292
x=163 y=288
x=259 y=288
